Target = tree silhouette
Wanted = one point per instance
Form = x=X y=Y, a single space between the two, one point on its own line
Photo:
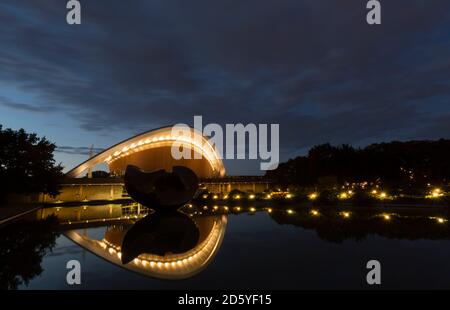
x=27 y=164
x=23 y=246
x=413 y=163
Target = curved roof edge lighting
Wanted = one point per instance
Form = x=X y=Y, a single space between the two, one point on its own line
x=181 y=266
x=153 y=139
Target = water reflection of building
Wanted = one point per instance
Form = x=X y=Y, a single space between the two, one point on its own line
x=169 y=266
x=118 y=219
x=331 y=224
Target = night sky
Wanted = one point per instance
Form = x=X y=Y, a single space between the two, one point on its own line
x=313 y=66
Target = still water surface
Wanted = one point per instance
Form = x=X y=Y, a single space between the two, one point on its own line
x=207 y=248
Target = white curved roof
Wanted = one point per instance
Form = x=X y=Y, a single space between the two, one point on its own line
x=153 y=139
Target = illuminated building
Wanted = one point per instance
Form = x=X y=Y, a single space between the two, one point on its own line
x=151 y=151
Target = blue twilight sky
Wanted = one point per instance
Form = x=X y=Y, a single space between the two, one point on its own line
x=313 y=66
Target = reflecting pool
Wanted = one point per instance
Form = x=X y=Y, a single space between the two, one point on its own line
x=242 y=247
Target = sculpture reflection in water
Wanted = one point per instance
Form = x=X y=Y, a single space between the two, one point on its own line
x=167 y=243
x=155 y=250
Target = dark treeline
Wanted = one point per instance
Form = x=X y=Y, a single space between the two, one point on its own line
x=332 y=227
x=24 y=244
x=413 y=163
x=27 y=164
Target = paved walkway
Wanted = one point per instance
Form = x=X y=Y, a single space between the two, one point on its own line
x=8 y=213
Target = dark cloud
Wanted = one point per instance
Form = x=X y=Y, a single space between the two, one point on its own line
x=81 y=150
x=439 y=127
x=24 y=106
x=313 y=66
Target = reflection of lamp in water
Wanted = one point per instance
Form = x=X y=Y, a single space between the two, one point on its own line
x=436 y=193
x=343 y=196
x=345 y=214
x=315 y=212
x=313 y=196
x=189 y=256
